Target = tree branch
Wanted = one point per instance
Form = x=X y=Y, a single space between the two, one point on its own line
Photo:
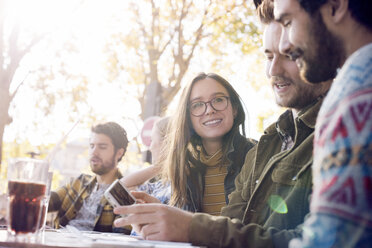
x=19 y=85
x=140 y=24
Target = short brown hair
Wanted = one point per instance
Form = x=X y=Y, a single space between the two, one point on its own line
x=265 y=11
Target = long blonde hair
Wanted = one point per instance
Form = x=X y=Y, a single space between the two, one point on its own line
x=181 y=133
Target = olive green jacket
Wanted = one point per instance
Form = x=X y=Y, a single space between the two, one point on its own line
x=272 y=190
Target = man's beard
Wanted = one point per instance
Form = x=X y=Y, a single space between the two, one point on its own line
x=104 y=167
x=304 y=94
x=323 y=56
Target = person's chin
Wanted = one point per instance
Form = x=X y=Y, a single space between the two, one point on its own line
x=95 y=167
x=284 y=96
x=284 y=102
x=97 y=172
x=216 y=135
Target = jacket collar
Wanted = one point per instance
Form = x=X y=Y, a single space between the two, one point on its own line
x=284 y=125
x=238 y=139
x=307 y=115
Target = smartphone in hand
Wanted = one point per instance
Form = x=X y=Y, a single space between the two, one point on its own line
x=118 y=195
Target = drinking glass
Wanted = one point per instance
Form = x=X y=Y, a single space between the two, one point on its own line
x=44 y=212
x=27 y=180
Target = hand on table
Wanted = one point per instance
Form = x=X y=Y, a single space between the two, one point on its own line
x=156 y=221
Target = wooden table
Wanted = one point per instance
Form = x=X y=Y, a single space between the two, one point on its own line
x=63 y=239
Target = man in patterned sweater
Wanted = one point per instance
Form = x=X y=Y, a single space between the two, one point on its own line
x=81 y=202
x=321 y=36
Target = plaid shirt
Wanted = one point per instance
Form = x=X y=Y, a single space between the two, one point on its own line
x=68 y=200
x=285 y=130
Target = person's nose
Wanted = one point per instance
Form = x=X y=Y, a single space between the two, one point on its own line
x=209 y=109
x=93 y=151
x=276 y=68
x=285 y=46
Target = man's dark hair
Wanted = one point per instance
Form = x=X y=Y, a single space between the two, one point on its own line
x=117 y=134
x=360 y=9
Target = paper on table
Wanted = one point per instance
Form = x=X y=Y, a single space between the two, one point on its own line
x=120 y=241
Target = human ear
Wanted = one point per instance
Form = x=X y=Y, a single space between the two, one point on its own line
x=119 y=153
x=337 y=10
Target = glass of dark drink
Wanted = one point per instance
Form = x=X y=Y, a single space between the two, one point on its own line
x=27 y=180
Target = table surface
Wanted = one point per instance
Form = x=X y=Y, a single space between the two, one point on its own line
x=63 y=239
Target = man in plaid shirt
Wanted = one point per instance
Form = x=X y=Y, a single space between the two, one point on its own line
x=81 y=203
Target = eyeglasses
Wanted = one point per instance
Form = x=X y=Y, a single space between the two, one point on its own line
x=218 y=103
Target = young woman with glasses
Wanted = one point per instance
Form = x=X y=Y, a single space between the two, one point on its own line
x=205 y=148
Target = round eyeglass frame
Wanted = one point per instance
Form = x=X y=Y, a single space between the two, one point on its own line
x=210 y=103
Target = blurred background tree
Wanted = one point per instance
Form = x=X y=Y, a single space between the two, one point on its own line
x=11 y=53
x=93 y=61
x=163 y=39
x=18 y=38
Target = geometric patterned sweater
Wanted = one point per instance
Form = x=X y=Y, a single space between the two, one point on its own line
x=341 y=204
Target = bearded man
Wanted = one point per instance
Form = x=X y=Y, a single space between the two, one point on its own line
x=81 y=202
x=330 y=38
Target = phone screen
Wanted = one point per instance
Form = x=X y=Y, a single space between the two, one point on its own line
x=120 y=194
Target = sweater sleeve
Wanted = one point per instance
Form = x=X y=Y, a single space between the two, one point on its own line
x=218 y=231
